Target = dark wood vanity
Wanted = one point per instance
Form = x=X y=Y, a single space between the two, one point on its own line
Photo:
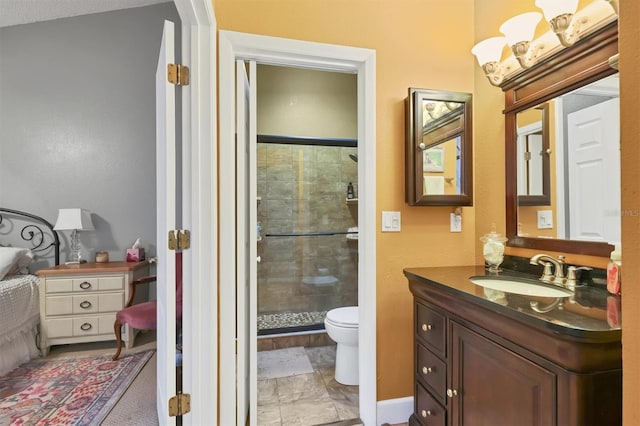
x=487 y=358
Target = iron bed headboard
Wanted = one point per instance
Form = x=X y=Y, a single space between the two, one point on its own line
x=35 y=234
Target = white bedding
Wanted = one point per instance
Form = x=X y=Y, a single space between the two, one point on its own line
x=19 y=319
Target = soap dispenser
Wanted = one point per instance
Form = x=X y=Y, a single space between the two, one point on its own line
x=493 y=249
x=350 y=191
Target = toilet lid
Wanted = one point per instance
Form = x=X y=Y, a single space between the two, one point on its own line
x=346 y=317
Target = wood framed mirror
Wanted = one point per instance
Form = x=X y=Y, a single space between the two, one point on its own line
x=533 y=153
x=438 y=148
x=584 y=211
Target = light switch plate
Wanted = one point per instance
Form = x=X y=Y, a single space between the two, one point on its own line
x=390 y=221
x=456 y=222
x=545 y=219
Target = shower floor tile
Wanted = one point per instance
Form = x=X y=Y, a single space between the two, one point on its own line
x=290 y=319
x=309 y=399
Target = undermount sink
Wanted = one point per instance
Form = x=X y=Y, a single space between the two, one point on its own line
x=520 y=286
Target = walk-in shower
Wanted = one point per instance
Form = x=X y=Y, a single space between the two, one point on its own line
x=308 y=242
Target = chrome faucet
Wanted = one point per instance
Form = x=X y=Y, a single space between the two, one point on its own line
x=557 y=277
x=572 y=276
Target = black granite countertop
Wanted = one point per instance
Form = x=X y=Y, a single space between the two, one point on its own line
x=591 y=313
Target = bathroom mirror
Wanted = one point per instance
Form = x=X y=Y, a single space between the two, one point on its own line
x=582 y=212
x=533 y=152
x=438 y=148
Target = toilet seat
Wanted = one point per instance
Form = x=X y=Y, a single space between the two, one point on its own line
x=346 y=317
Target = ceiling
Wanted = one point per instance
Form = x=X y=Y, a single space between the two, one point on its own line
x=16 y=12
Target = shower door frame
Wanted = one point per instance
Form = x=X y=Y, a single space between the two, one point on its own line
x=287 y=52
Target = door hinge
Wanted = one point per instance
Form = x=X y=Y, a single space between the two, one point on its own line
x=180 y=404
x=179 y=239
x=178 y=74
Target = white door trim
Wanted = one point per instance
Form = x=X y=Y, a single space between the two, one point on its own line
x=199 y=211
x=286 y=52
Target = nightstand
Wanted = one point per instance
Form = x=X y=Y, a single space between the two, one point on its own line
x=78 y=303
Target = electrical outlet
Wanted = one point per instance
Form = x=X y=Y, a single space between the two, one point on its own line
x=391 y=222
x=545 y=219
x=456 y=222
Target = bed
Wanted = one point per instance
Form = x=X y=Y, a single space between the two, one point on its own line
x=27 y=243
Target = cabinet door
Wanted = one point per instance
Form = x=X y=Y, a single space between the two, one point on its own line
x=492 y=385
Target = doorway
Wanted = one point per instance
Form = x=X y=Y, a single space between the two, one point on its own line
x=269 y=50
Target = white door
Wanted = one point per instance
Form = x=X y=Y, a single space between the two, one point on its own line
x=594 y=173
x=165 y=221
x=246 y=205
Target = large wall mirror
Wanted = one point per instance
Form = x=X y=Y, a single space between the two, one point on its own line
x=563 y=150
x=438 y=148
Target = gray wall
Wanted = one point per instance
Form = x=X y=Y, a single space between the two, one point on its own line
x=77 y=122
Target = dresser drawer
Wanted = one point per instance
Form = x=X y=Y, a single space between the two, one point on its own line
x=433 y=371
x=84 y=284
x=80 y=326
x=98 y=283
x=430 y=328
x=428 y=410
x=84 y=303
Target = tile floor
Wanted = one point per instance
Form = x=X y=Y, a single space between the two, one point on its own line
x=307 y=399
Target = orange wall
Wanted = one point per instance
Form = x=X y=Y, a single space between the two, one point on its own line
x=410 y=52
x=629 y=44
x=409 y=39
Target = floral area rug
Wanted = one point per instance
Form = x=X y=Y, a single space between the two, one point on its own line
x=67 y=391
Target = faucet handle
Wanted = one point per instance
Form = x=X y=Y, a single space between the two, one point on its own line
x=572 y=275
x=547 y=274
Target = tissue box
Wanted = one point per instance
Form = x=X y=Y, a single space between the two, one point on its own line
x=135 y=255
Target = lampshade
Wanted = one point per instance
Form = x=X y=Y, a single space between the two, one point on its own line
x=520 y=27
x=554 y=8
x=78 y=219
x=489 y=50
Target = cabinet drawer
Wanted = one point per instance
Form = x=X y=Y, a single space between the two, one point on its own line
x=115 y=282
x=432 y=371
x=80 y=326
x=430 y=327
x=85 y=284
x=84 y=304
x=428 y=410
x=85 y=326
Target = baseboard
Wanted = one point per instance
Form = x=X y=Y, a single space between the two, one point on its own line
x=394 y=411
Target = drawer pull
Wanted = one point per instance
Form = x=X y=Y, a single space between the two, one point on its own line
x=85 y=285
x=426 y=327
x=426 y=413
x=85 y=304
x=451 y=393
x=86 y=326
x=426 y=370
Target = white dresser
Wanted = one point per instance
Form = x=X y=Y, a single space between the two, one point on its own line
x=78 y=303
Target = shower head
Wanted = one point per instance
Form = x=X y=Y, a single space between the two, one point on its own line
x=354 y=157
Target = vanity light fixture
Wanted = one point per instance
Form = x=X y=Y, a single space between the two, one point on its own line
x=560 y=16
x=519 y=32
x=488 y=53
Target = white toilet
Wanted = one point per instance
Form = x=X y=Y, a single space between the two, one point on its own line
x=342 y=326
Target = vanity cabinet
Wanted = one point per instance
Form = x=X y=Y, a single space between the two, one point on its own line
x=477 y=379
x=475 y=366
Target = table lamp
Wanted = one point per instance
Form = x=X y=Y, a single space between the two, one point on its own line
x=74 y=220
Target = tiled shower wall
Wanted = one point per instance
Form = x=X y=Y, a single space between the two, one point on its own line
x=303 y=189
